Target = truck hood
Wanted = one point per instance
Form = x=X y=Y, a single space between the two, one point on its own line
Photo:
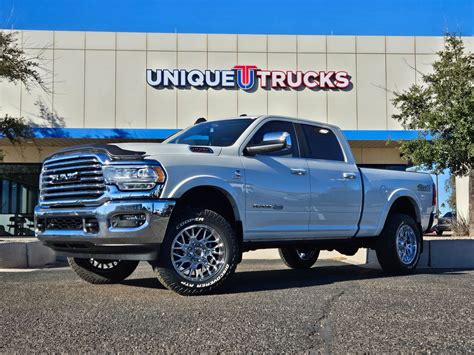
x=139 y=150
x=159 y=148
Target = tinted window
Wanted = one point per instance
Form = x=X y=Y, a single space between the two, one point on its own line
x=18 y=196
x=398 y=167
x=218 y=133
x=322 y=143
x=278 y=126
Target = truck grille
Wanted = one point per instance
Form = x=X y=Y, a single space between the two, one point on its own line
x=64 y=223
x=75 y=180
x=87 y=224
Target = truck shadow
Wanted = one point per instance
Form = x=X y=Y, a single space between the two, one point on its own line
x=264 y=277
x=268 y=280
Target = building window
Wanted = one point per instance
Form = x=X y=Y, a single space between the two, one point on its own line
x=19 y=189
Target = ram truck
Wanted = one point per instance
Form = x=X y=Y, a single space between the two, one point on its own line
x=192 y=204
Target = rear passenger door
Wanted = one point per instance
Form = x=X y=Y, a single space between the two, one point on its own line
x=336 y=189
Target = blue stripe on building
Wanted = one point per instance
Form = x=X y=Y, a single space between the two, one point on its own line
x=154 y=133
x=324 y=17
x=103 y=133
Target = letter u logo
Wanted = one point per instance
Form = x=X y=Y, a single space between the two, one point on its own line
x=245 y=76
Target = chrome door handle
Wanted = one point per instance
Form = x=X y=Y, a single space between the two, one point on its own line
x=298 y=171
x=350 y=176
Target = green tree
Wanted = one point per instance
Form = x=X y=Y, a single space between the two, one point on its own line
x=442 y=106
x=450 y=188
x=17 y=67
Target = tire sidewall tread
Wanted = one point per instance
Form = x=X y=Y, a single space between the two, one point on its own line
x=386 y=248
x=164 y=268
x=86 y=272
x=290 y=257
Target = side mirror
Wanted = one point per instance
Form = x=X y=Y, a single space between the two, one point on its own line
x=272 y=142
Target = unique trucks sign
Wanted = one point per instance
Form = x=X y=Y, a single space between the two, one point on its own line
x=247 y=77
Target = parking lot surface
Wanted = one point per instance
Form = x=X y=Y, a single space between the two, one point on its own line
x=265 y=307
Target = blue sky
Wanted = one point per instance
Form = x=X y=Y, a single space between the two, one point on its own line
x=338 y=17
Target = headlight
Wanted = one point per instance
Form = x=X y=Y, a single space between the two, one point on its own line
x=134 y=177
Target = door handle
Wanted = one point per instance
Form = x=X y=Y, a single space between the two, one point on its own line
x=298 y=171
x=350 y=176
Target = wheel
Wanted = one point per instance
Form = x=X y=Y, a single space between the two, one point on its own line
x=439 y=232
x=398 y=248
x=98 y=271
x=199 y=252
x=299 y=258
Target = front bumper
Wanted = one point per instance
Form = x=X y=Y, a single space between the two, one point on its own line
x=107 y=242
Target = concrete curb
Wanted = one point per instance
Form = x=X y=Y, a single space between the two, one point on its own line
x=441 y=253
x=451 y=253
x=24 y=253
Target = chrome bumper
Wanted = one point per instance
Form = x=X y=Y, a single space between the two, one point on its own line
x=108 y=241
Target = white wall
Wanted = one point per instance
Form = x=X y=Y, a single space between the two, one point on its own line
x=97 y=79
x=462 y=196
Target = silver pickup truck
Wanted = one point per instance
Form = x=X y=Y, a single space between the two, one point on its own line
x=191 y=205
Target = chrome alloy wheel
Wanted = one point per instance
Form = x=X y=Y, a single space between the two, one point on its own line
x=407 y=246
x=305 y=254
x=198 y=253
x=103 y=265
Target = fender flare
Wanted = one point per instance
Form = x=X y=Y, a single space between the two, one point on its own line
x=392 y=198
x=209 y=181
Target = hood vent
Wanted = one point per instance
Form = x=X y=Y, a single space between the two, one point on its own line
x=201 y=150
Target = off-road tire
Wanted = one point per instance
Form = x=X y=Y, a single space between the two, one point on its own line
x=292 y=259
x=386 y=245
x=86 y=271
x=169 y=276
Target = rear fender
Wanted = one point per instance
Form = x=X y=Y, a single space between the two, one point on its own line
x=394 y=196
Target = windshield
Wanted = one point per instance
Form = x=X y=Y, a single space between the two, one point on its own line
x=217 y=133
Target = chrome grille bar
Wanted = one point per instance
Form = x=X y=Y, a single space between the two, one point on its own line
x=92 y=179
x=69 y=162
x=49 y=171
x=72 y=180
x=75 y=193
x=74 y=187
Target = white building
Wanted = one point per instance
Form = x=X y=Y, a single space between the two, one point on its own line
x=99 y=92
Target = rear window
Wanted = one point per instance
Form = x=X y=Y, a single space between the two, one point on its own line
x=322 y=143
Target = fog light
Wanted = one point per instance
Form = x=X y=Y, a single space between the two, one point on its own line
x=40 y=225
x=91 y=225
x=128 y=220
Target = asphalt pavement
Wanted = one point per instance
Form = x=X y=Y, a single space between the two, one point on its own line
x=265 y=307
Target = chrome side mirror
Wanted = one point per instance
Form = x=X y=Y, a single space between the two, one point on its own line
x=278 y=136
x=271 y=142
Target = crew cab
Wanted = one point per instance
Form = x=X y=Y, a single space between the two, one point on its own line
x=191 y=205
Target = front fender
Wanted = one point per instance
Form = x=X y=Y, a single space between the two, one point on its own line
x=230 y=190
x=396 y=194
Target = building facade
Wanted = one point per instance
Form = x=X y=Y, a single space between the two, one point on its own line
x=109 y=86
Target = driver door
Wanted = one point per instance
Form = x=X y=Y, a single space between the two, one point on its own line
x=277 y=187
